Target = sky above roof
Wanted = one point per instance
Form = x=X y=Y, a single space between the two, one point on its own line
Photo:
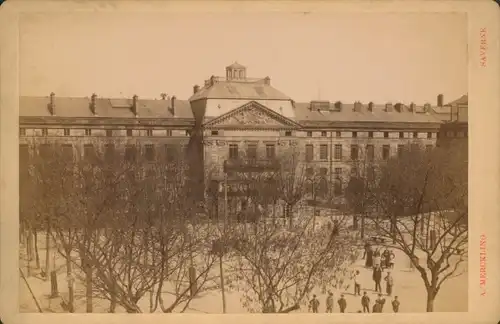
x=348 y=57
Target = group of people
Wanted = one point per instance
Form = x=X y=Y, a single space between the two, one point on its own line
x=378 y=306
x=376 y=258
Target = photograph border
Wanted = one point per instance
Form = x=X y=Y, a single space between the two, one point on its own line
x=484 y=166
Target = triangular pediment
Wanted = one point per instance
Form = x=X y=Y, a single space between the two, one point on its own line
x=252 y=114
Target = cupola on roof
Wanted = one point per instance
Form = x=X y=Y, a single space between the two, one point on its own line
x=236 y=71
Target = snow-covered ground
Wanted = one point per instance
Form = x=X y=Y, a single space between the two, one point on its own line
x=408 y=287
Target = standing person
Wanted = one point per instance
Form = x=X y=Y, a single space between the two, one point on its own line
x=342 y=303
x=392 y=256
x=365 y=302
x=381 y=301
x=369 y=257
x=389 y=282
x=357 y=285
x=387 y=257
x=376 y=258
x=377 y=277
x=329 y=302
x=314 y=304
x=395 y=304
x=366 y=248
x=376 y=307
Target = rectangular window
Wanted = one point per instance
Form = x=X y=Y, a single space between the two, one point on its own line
x=309 y=172
x=429 y=135
x=338 y=134
x=386 y=134
x=338 y=152
x=415 y=134
x=323 y=172
x=130 y=153
x=370 y=152
x=400 y=150
x=149 y=132
x=386 y=152
x=270 y=151
x=370 y=134
x=45 y=132
x=109 y=132
x=88 y=152
x=354 y=134
x=67 y=152
x=323 y=134
x=109 y=152
x=22 y=131
x=309 y=152
x=215 y=133
x=170 y=152
x=88 y=132
x=24 y=157
x=401 y=135
x=309 y=134
x=288 y=133
x=323 y=152
x=370 y=173
x=66 y=132
x=149 y=152
x=252 y=151
x=428 y=148
x=233 y=151
x=45 y=151
x=338 y=172
x=129 y=132
x=354 y=152
x=169 y=132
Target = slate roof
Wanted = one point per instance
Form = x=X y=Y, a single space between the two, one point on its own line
x=463 y=100
x=251 y=89
x=304 y=114
x=105 y=107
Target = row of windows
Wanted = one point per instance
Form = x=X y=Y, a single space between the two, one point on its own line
x=88 y=132
x=353 y=134
x=150 y=152
x=355 y=151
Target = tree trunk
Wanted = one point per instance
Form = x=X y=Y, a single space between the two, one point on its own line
x=71 y=286
x=37 y=255
x=362 y=226
x=47 y=252
x=88 y=285
x=112 y=304
x=431 y=295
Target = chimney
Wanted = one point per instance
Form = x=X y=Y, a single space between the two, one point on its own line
x=135 y=98
x=93 y=103
x=338 y=106
x=163 y=95
x=196 y=88
x=427 y=108
x=413 y=107
x=440 y=100
x=399 y=107
x=207 y=83
x=388 y=107
x=52 y=104
x=267 y=80
x=172 y=105
x=358 y=106
x=370 y=106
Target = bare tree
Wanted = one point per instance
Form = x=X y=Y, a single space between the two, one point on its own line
x=278 y=266
x=421 y=201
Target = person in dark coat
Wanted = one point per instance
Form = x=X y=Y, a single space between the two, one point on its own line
x=329 y=302
x=366 y=248
x=314 y=304
x=342 y=303
x=387 y=257
x=380 y=301
x=377 y=307
x=365 y=302
x=395 y=304
x=377 y=278
x=369 y=257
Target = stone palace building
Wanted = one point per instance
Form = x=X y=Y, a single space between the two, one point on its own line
x=238 y=118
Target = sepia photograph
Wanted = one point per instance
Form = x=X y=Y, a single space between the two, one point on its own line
x=240 y=162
